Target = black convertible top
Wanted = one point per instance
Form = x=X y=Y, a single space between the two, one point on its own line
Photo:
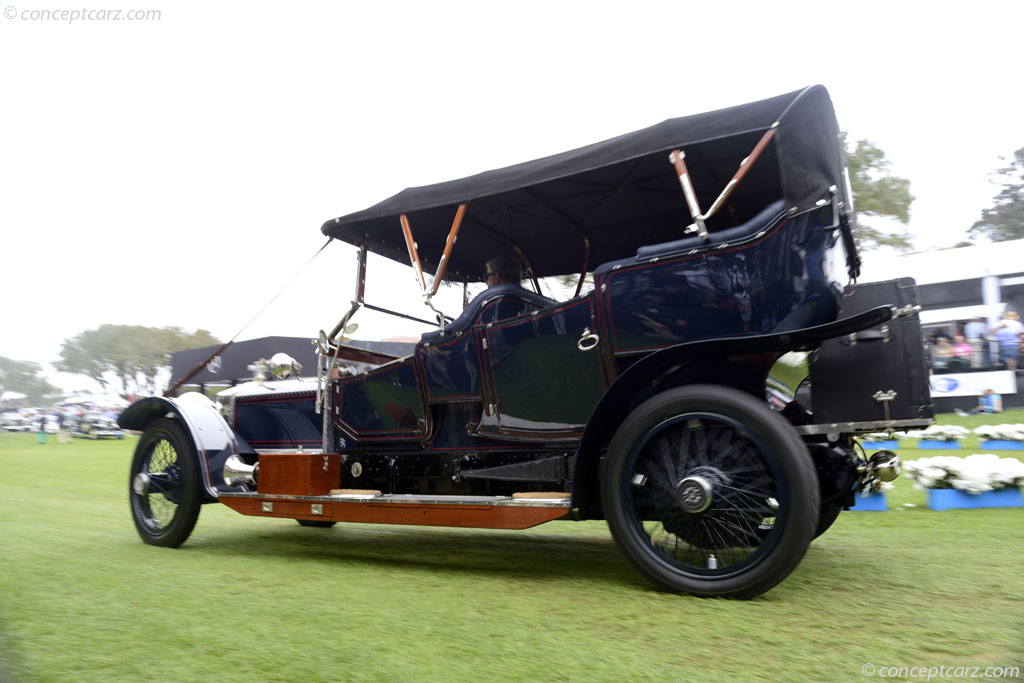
x=621 y=194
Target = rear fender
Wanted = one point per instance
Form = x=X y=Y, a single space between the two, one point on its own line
x=705 y=361
x=213 y=439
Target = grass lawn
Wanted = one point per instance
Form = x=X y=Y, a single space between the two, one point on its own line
x=83 y=599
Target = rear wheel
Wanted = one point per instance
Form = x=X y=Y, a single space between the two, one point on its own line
x=708 y=491
x=164 y=486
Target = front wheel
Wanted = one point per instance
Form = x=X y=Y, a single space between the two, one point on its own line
x=164 y=486
x=708 y=491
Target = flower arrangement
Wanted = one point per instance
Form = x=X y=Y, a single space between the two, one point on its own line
x=940 y=433
x=1014 y=432
x=878 y=440
x=886 y=436
x=976 y=473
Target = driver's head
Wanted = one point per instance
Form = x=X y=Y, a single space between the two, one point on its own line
x=503 y=270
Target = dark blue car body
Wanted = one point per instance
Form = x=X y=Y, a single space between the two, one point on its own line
x=522 y=408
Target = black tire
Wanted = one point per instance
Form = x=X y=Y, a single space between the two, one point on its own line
x=318 y=523
x=827 y=517
x=164 y=486
x=708 y=491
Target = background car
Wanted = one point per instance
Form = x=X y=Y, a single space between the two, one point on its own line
x=13 y=422
x=95 y=425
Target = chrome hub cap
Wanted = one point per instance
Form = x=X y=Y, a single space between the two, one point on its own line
x=694 y=494
x=140 y=484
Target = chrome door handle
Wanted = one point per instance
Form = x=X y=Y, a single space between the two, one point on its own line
x=588 y=341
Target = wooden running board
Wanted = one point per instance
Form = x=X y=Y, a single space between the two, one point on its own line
x=520 y=512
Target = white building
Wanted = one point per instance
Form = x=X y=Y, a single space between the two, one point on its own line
x=955 y=286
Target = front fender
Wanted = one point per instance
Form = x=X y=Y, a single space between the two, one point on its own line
x=707 y=356
x=213 y=439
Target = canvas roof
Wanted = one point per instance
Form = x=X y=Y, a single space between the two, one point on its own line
x=620 y=194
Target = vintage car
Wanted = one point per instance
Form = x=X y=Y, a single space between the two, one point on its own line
x=14 y=422
x=703 y=398
x=95 y=425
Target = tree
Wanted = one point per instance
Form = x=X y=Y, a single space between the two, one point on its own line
x=1005 y=219
x=877 y=194
x=127 y=352
x=23 y=377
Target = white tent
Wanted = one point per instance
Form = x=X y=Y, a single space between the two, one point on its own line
x=104 y=400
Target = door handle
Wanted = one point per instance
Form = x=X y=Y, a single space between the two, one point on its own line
x=588 y=341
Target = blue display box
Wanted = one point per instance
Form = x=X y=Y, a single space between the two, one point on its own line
x=950 y=499
x=879 y=445
x=1003 y=445
x=931 y=444
x=876 y=502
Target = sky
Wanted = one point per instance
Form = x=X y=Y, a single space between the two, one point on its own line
x=176 y=169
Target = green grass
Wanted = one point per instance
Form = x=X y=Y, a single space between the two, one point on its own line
x=1013 y=416
x=83 y=599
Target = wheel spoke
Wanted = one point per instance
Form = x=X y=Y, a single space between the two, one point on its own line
x=666 y=459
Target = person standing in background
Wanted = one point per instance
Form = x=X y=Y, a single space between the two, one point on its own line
x=976 y=332
x=63 y=431
x=1008 y=333
x=41 y=429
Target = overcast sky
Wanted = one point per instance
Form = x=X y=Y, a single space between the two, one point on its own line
x=176 y=170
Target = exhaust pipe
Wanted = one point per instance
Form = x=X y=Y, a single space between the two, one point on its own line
x=239 y=473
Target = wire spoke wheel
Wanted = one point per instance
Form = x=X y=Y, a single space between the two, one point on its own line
x=164 y=485
x=159 y=501
x=708 y=491
x=702 y=494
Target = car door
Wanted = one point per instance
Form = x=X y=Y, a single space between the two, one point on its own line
x=543 y=373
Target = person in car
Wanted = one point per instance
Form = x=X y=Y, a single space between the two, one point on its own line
x=502 y=270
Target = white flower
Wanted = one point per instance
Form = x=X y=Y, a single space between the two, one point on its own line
x=941 y=433
x=976 y=473
x=1005 y=432
x=876 y=436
